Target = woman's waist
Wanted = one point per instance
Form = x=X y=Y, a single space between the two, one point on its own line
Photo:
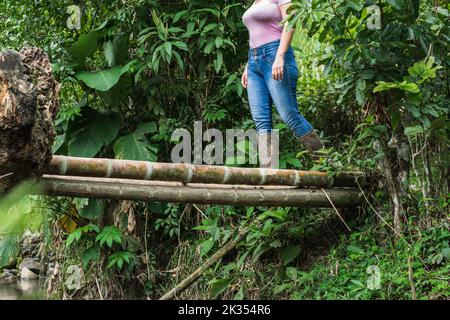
x=267 y=48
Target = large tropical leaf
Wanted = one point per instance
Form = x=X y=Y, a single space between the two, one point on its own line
x=98 y=131
x=116 y=50
x=288 y=254
x=135 y=146
x=102 y=80
x=120 y=47
x=220 y=286
x=59 y=141
x=108 y=49
x=93 y=210
x=84 y=47
x=146 y=128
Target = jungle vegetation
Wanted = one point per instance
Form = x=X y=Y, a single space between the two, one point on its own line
x=137 y=70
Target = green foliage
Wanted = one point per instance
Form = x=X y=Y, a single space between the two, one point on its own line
x=91 y=254
x=93 y=210
x=79 y=232
x=344 y=273
x=364 y=57
x=135 y=146
x=170 y=224
x=9 y=248
x=84 y=47
x=102 y=80
x=135 y=72
x=18 y=213
x=95 y=131
x=109 y=235
x=97 y=242
x=288 y=254
x=219 y=286
x=117 y=259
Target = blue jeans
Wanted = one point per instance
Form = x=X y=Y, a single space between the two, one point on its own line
x=263 y=90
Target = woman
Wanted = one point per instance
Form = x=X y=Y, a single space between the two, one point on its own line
x=271 y=75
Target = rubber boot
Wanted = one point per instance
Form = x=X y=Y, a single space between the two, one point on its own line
x=312 y=142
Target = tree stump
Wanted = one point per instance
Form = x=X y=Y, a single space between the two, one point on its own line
x=28 y=106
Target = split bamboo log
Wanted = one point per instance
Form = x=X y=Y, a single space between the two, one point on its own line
x=117 y=189
x=187 y=173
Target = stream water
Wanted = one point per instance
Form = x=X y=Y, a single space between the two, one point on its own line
x=21 y=289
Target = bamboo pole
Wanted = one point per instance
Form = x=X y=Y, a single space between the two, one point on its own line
x=188 y=281
x=118 y=189
x=186 y=173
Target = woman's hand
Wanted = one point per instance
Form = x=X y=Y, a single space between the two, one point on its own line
x=244 y=79
x=278 y=68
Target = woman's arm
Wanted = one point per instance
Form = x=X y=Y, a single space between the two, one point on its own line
x=244 y=78
x=286 y=39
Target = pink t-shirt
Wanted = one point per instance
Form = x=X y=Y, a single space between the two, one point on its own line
x=263 y=22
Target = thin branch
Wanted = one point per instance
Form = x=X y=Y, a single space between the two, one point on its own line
x=187 y=282
x=376 y=212
x=384 y=221
x=200 y=211
x=6 y=175
x=335 y=209
x=411 y=279
x=145 y=243
x=99 y=290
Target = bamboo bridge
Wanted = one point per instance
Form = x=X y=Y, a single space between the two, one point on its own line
x=199 y=184
x=27 y=115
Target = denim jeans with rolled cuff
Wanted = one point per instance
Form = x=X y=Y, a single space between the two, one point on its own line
x=263 y=90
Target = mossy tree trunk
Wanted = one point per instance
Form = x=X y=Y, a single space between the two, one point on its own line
x=28 y=106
